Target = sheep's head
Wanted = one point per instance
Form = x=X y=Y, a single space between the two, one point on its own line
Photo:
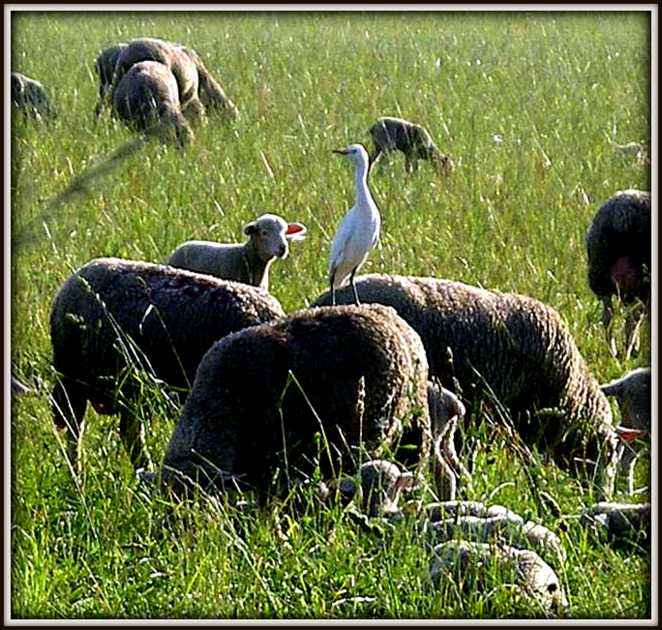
x=633 y=392
x=270 y=234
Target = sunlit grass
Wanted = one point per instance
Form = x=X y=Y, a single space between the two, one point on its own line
x=526 y=104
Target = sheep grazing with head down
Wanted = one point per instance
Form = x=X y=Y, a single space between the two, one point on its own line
x=29 y=97
x=618 y=246
x=104 y=65
x=146 y=98
x=633 y=393
x=395 y=134
x=510 y=348
x=115 y=316
x=174 y=58
x=356 y=376
x=246 y=262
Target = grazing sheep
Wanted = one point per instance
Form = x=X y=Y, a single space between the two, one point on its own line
x=357 y=375
x=29 y=97
x=633 y=392
x=146 y=98
x=492 y=565
x=510 y=348
x=175 y=58
x=390 y=134
x=248 y=262
x=112 y=315
x=104 y=66
x=454 y=509
x=618 y=245
x=622 y=522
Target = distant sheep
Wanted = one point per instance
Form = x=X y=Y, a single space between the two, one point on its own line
x=29 y=97
x=146 y=98
x=509 y=347
x=391 y=134
x=356 y=375
x=104 y=65
x=248 y=262
x=113 y=315
x=484 y=566
x=633 y=393
x=618 y=245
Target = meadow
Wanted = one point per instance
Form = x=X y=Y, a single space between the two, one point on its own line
x=526 y=104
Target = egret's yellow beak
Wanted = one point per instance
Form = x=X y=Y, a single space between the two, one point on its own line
x=341 y=151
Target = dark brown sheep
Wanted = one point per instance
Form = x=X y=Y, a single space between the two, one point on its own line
x=175 y=59
x=509 y=347
x=357 y=374
x=146 y=99
x=104 y=65
x=618 y=247
x=113 y=316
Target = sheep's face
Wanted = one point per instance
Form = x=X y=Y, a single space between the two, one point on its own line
x=270 y=234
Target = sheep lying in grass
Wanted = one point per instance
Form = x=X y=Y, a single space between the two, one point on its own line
x=104 y=65
x=484 y=566
x=146 y=98
x=512 y=351
x=633 y=392
x=113 y=316
x=355 y=375
x=391 y=134
x=29 y=97
x=248 y=262
x=618 y=246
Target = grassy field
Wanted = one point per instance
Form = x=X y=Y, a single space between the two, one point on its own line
x=527 y=105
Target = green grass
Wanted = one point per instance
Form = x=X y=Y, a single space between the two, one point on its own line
x=556 y=87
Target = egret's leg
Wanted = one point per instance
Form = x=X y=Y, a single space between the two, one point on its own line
x=351 y=281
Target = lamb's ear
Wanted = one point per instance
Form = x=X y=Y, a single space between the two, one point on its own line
x=250 y=228
x=629 y=434
x=296 y=231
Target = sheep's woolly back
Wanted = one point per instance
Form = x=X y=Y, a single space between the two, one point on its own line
x=508 y=345
x=361 y=369
x=620 y=228
x=172 y=315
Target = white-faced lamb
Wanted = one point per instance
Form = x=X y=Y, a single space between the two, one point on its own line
x=633 y=393
x=390 y=134
x=354 y=376
x=621 y=522
x=104 y=66
x=147 y=99
x=246 y=262
x=29 y=97
x=618 y=246
x=511 y=348
x=114 y=316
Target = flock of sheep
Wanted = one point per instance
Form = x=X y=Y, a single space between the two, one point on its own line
x=384 y=369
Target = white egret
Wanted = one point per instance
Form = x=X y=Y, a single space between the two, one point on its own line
x=359 y=229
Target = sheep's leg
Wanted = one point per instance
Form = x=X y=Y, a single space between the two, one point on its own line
x=376 y=155
x=354 y=291
x=69 y=402
x=132 y=434
x=194 y=110
x=633 y=322
x=607 y=316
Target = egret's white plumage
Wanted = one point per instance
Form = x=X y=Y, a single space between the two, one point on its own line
x=359 y=229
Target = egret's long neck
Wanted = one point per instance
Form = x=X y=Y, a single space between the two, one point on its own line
x=361 y=180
